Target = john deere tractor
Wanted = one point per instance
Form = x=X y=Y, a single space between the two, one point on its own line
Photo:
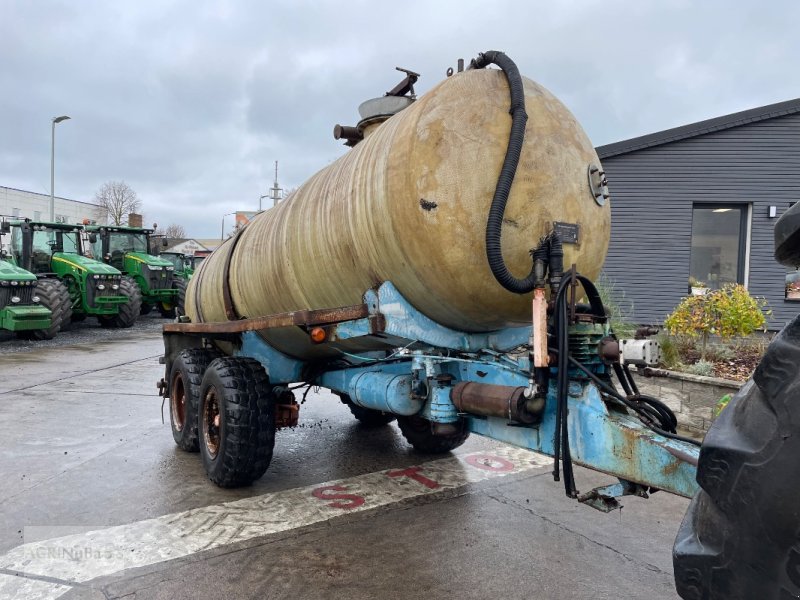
x=128 y=249
x=20 y=307
x=184 y=269
x=71 y=285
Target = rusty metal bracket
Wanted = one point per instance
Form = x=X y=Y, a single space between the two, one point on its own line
x=298 y=318
x=604 y=498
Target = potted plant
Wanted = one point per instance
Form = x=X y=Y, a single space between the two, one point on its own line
x=697 y=288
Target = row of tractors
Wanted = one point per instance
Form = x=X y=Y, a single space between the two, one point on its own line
x=54 y=274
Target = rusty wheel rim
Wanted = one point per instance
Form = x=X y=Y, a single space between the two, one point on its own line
x=178 y=402
x=211 y=422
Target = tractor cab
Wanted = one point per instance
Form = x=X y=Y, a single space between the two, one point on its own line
x=182 y=263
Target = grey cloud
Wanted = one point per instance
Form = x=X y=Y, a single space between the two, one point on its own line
x=191 y=102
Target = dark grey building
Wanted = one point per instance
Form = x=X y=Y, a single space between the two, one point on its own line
x=700 y=202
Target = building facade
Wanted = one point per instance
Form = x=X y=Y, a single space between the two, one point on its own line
x=697 y=205
x=23 y=204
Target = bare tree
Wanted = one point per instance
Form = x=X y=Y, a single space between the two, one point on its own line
x=175 y=231
x=116 y=200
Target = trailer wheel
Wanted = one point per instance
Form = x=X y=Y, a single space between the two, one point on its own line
x=129 y=311
x=367 y=417
x=739 y=538
x=419 y=433
x=54 y=295
x=185 y=379
x=236 y=417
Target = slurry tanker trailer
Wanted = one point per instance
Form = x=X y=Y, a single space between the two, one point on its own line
x=440 y=274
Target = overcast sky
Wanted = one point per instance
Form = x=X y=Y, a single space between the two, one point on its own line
x=191 y=102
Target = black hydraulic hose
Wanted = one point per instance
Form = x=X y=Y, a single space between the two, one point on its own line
x=623 y=379
x=614 y=393
x=634 y=387
x=494 y=224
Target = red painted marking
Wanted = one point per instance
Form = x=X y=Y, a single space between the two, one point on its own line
x=349 y=500
x=489 y=462
x=413 y=473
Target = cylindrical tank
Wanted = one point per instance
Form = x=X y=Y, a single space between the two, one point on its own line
x=409 y=205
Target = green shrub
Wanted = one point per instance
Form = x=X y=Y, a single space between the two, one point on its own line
x=618 y=306
x=728 y=312
x=670 y=357
x=701 y=367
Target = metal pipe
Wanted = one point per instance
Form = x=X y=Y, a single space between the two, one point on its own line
x=496 y=401
x=385 y=392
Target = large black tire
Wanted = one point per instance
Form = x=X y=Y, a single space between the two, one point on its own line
x=169 y=310
x=419 y=433
x=367 y=417
x=180 y=306
x=236 y=421
x=54 y=295
x=740 y=537
x=146 y=308
x=185 y=378
x=128 y=312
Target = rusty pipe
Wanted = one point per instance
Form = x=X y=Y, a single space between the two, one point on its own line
x=497 y=401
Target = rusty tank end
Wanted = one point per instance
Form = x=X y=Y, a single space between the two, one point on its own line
x=409 y=205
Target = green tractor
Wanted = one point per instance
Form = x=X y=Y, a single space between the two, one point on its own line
x=128 y=249
x=71 y=285
x=184 y=269
x=20 y=308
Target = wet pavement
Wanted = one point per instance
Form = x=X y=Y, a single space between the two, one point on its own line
x=85 y=449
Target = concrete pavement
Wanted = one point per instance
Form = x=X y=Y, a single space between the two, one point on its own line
x=86 y=449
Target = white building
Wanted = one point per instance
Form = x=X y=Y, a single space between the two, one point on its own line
x=23 y=204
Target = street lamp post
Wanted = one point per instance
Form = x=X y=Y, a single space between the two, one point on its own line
x=222 y=231
x=260 y=198
x=53 y=166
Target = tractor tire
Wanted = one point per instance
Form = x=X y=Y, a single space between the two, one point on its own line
x=739 y=538
x=180 y=304
x=185 y=378
x=54 y=295
x=367 y=417
x=146 y=308
x=129 y=311
x=236 y=421
x=419 y=433
x=170 y=310
x=78 y=317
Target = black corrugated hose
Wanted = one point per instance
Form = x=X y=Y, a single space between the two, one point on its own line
x=502 y=190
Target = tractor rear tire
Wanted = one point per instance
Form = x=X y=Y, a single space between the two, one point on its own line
x=419 y=433
x=367 y=417
x=236 y=421
x=180 y=301
x=740 y=536
x=185 y=378
x=129 y=311
x=146 y=308
x=54 y=295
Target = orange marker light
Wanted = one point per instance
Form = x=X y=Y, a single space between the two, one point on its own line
x=318 y=335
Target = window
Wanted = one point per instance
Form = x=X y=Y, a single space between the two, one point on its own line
x=793 y=286
x=37 y=215
x=14 y=212
x=718 y=244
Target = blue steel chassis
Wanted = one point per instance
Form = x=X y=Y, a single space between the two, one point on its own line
x=603 y=435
